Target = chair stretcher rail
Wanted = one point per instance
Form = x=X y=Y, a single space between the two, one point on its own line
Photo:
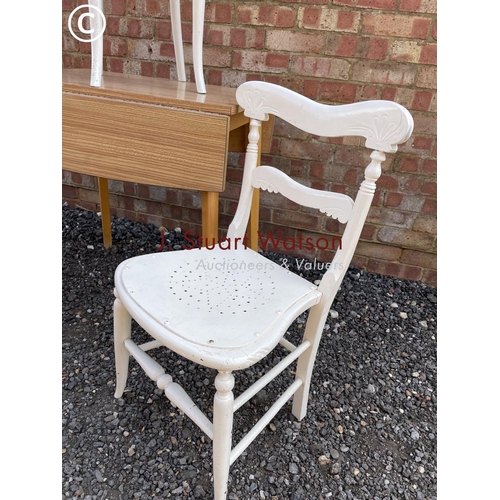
x=174 y=392
x=266 y=418
x=270 y=375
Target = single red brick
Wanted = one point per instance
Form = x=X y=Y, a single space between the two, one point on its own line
x=164 y=30
x=167 y=50
x=116 y=65
x=408 y=164
x=429 y=166
x=412 y=184
x=153 y=7
x=311 y=17
x=163 y=70
x=153 y=207
x=134 y=27
x=387 y=182
x=369 y=92
x=69 y=192
x=378 y=48
x=117 y=7
x=389 y=93
x=429 y=206
x=142 y=191
x=214 y=77
x=238 y=37
x=421 y=259
x=422 y=143
x=393 y=199
x=244 y=15
x=311 y=88
x=410 y=5
x=345 y=19
x=67 y=61
x=368 y=232
x=285 y=18
x=216 y=37
x=112 y=26
x=429 y=187
x=129 y=188
x=223 y=12
x=272 y=79
x=430 y=276
x=422 y=100
x=420 y=28
x=351 y=176
x=294 y=41
x=147 y=68
x=429 y=54
x=277 y=60
x=296 y=219
x=369 y=4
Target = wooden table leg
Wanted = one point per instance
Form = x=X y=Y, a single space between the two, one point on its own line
x=210 y=216
x=105 y=215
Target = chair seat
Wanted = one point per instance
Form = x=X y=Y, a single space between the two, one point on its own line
x=225 y=309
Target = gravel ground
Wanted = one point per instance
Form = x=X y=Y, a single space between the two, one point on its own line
x=370 y=430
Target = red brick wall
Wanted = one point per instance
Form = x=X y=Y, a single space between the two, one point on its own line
x=334 y=51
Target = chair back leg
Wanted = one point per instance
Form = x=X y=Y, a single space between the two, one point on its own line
x=122 y=329
x=305 y=364
x=175 y=19
x=198 y=23
x=223 y=426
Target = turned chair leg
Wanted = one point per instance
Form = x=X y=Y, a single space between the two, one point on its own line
x=175 y=19
x=223 y=425
x=122 y=328
x=198 y=23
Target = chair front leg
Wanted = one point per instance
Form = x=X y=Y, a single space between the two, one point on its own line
x=122 y=328
x=198 y=24
x=223 y=425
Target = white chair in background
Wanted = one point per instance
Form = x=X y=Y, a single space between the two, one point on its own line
x=175 y=17
x=228 y=309
x=198 y=23
x=96 y=46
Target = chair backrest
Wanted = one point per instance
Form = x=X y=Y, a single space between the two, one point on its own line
x=384 y=125
x=96 y=23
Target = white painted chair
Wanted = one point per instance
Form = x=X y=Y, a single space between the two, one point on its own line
x=227 y=309
x=175 y=17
